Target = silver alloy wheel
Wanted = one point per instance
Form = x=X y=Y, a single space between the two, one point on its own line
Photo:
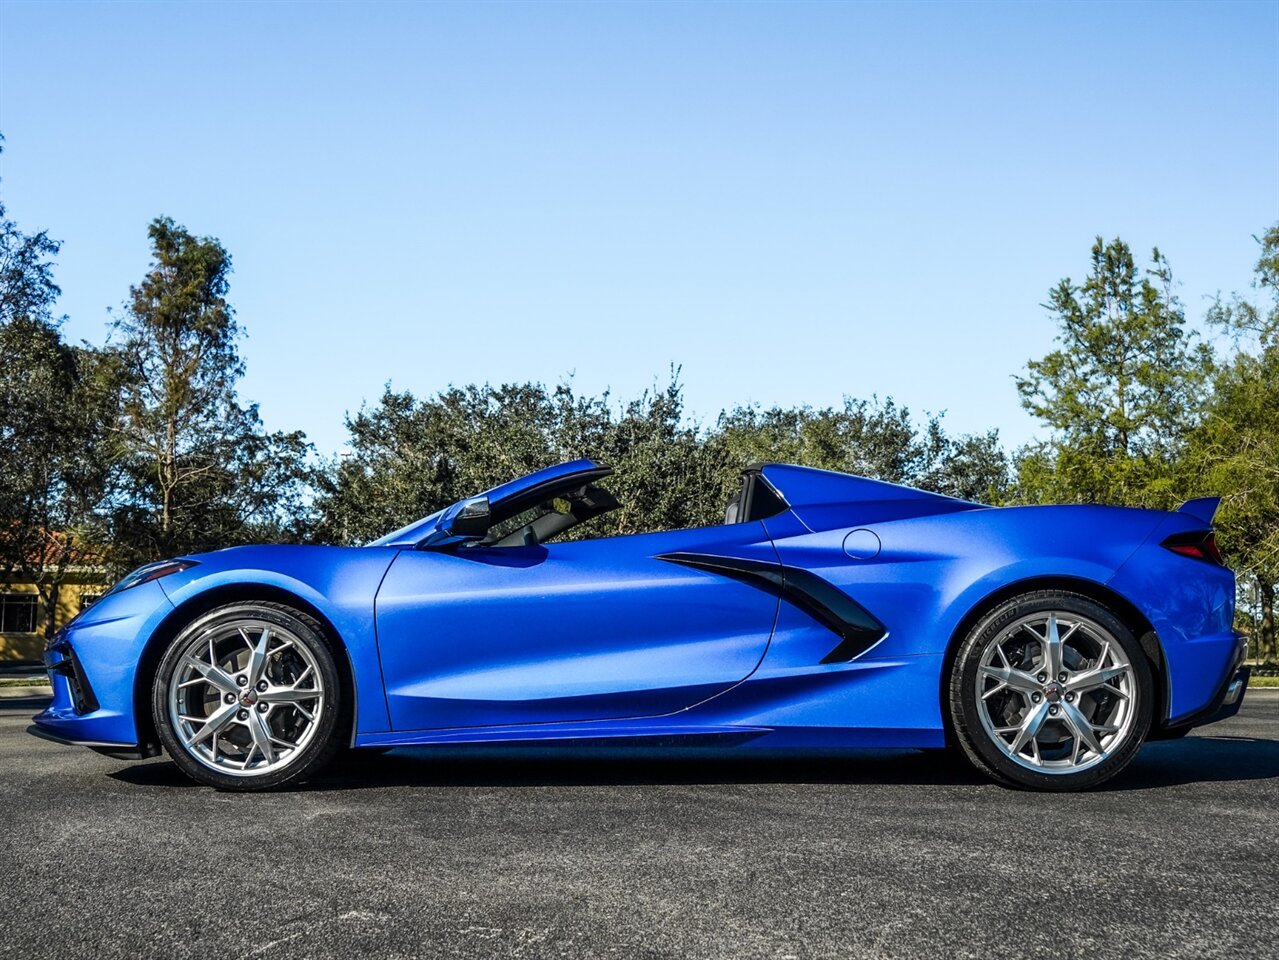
x=246 y=697
x=1055 y=692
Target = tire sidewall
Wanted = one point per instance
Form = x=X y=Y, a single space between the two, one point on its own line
x=964 y=686
x=322 y=744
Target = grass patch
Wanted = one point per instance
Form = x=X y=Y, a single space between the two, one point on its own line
x=1255 y=681
x=35 y=680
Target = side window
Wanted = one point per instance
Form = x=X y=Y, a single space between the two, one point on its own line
x=523 y=520
x=549 y=518
x=757 y=500
x=764 y=501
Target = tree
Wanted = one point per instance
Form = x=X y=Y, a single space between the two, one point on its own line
x=56 y=407
x=1253 y=325
x=869 y=438
x=408 y=457
x=26 y=271
x=973 y=466
x=53 y=415
x=200 y=471
x=1122 y=391
x=1234 y=453
x=667 y=477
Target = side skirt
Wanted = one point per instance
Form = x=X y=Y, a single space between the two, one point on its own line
x=799 y=739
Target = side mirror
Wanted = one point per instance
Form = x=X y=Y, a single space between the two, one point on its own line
x=472 y=520
x=464 y=522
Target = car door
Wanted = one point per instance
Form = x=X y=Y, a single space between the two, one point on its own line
x=584 y=630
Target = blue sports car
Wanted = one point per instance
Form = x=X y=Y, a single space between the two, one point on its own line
x=826 y=611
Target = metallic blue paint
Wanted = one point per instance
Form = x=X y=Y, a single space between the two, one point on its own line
x=604 y=629
x=601 y=639
x=108 y=639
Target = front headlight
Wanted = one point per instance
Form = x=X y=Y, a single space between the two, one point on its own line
x=152 y=571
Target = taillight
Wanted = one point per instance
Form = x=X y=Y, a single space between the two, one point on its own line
x=1199 y=544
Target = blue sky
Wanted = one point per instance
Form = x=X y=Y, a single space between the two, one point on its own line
x=795 y=202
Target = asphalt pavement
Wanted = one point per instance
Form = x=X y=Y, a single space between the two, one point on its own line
x=591 y=854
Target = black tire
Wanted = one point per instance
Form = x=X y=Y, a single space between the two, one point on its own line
x=321 y=743
x=967 y=683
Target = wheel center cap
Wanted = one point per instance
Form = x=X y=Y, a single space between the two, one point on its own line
x=248 y=698
x=1052 y=692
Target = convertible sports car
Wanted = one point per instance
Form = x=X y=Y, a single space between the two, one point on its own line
x=827 y=611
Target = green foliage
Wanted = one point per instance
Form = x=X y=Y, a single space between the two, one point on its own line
x=407 y=457
x=868 y=438
x=1254 y=325
x=1234 y=452
x=26 y=271
x=198 y=469
x=666 y=477
x=53 y=418
x=972 y=467
x=1120 y=393
x=54 y=473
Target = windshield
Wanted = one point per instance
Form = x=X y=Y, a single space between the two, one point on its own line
x=404 y=533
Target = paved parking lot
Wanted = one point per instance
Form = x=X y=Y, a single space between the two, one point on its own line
x=583 y=855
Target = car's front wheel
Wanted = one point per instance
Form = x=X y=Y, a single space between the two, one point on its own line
x=1051 y=691
x=247 y=697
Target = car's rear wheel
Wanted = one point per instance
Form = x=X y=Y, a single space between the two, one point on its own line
x=247 y=697
x=1051 y=691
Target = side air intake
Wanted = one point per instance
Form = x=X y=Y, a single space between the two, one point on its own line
x=856 y=627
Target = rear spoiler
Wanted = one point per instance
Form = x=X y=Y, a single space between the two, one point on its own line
x=1205 y=508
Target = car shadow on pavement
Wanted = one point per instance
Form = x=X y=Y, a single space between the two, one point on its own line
x=1196 y=759
x=1200 y=759
x=32 y=704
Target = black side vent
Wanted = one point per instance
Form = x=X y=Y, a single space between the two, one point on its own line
x=857 y=629
x=82 y=697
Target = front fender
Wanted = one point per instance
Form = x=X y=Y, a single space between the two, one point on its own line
x=340 y=583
